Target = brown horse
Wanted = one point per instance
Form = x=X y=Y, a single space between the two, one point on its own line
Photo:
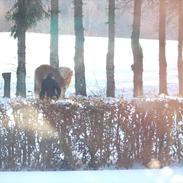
x=63 y=75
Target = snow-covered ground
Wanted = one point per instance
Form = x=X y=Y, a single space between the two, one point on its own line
x=165 y=175
x=37 y=53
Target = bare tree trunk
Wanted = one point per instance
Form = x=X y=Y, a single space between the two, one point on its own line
x=162 y=52
x=180 y=44
x=80 y=83
x=54 y=34
x=137 y=67
x=110 y=55
x=7 y=79
x=21 y=70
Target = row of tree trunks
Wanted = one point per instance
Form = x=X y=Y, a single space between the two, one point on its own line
x=137 y=67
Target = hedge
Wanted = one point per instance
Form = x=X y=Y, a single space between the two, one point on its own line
x=90 y=133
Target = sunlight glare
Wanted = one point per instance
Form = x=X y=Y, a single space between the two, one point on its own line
x=37 y=124
x=154 y=163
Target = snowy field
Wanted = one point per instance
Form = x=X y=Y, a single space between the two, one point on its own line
x=165 y=175
x=37 y=53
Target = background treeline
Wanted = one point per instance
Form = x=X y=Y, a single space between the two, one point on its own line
x=95 y=19
x=90 y=133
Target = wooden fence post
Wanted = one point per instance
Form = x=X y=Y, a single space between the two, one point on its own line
x=7 y=78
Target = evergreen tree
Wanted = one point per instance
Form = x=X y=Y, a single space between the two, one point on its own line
x=24 y=14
